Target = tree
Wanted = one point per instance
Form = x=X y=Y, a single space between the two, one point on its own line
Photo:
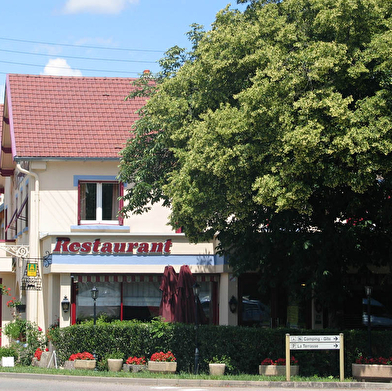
x=274 y=133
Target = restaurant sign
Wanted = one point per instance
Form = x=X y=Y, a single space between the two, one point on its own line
x=65 y=246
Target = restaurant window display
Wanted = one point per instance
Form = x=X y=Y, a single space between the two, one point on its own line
x=108 y=302
x=136 y=297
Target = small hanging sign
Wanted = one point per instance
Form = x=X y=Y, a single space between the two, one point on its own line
x=31 y=270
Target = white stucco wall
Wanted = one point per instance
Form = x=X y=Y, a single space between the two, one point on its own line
x=59 y=198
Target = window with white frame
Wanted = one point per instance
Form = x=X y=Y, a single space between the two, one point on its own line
x=99 y=202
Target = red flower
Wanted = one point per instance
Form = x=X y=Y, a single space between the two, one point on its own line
x=38 y=354
x=375 y=360
x=165 y=357
x=136 y=360
x=81 y=356
x=267 y=361
x=279 y=361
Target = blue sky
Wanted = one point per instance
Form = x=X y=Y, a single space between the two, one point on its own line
x=116 y=38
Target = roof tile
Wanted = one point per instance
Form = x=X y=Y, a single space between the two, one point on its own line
x=73 y=117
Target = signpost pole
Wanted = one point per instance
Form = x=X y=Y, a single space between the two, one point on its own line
x=341 y=358
x=287 y=357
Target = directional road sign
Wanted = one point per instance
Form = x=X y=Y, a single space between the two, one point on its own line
x=314 y=346
x=315 y=338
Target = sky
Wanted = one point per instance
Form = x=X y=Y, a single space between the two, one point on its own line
x=112 y=38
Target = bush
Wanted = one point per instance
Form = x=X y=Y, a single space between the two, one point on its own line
x=8 y=352
x=27 y=337
x=247 y=347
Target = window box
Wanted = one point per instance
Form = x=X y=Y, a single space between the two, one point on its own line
x=162 y=366
x=278 y=370
x=372 y=372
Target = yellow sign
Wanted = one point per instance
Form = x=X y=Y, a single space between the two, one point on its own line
x=31 y=270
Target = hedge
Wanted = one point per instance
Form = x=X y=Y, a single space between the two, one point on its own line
x=245 y=346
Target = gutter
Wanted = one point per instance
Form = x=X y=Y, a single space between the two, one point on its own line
x=36 y=200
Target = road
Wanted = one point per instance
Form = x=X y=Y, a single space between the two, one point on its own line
x=22 y=382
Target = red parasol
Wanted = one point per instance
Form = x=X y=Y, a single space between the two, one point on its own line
x=185 y=306
x=168 y=287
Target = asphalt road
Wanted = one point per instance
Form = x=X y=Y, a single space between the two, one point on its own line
x=31 y=382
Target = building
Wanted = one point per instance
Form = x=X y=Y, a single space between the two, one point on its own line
x=59 y=226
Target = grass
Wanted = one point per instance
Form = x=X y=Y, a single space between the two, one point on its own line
x=147 y=374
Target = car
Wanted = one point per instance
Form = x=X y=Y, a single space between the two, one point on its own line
x=379 y=314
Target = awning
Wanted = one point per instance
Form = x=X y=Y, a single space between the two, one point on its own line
x=129 y=278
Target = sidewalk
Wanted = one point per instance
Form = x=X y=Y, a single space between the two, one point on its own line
x=206 y=382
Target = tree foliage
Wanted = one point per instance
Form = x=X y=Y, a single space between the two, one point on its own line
x=274 y=133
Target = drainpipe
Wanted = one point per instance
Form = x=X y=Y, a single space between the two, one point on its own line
x=32 y=307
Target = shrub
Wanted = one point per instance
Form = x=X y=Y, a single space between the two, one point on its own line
x=8 y=352
x=247 y=347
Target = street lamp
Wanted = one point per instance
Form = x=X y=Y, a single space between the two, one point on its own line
x=368 y=291
x=196 y=292
x=94 y=295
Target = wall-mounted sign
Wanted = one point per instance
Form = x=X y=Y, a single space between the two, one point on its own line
x=31 y=279
x=64 y=245
x=31 y=270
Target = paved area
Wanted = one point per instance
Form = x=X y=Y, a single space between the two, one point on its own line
x=199 y=383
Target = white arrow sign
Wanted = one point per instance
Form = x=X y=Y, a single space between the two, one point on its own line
x=314 y=338
x=314 y=346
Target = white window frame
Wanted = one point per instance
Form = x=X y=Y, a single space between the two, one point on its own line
x=99 y=199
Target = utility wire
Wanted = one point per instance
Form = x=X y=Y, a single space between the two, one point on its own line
x=80 y=69
x=76 y=57
x=82 y=46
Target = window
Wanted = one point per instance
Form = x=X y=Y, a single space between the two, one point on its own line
x=99 y=202
x=136 y=297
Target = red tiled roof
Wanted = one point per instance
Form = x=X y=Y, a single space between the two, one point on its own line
x=70 y=117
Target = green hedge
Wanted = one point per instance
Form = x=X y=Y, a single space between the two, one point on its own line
x=8 y=352
x=245 y=346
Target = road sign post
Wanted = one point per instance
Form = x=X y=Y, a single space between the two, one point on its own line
x=315 y=342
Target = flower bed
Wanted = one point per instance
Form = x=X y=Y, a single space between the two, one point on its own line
x=372 y=369
x=162 y=362
x=277 y=367
x=135 y=364
x=83 y=360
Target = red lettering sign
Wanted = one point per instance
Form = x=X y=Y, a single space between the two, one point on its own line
x=64 y=245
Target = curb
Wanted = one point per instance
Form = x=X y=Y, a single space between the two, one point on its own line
x=204 y=382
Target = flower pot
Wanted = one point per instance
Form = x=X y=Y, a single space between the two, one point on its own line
x=69 y=365
x=115 y=364
x=372 y=372
x=217 y=369
x=85 y=364
x=278 y=370
x=7 y=361
x=21 y=308
x=159 y=366
x=134 y=368
x=44 y=361
x=138 y=368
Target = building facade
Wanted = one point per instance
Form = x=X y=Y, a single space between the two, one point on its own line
x=61 y=234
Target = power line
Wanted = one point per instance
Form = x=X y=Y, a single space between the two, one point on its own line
x=81 y=46
x=56 y=67
x=76 y=57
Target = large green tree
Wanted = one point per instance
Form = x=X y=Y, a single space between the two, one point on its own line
x=275 y=134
